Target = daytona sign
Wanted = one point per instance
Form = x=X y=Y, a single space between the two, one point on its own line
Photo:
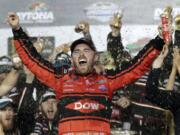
x=36 y=17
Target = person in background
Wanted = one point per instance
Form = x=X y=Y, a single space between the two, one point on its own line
x=168 y=99
x=8 y=117
x=62 y=63
x=46 y=121
x=24 y=92
x=26 y=95
x=168 y=61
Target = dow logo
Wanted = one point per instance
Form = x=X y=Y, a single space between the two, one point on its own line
x=85 y=106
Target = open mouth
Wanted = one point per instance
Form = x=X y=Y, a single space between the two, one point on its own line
x=8 y=119
x=82 y=62
x=50 y=113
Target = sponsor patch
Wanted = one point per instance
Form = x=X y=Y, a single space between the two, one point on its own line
x=86 y=106
x=102 y=88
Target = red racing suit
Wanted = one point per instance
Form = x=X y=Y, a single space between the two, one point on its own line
x=84 y=101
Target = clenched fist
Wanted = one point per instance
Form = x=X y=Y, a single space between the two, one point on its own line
x=13 y=20
x=82 y=26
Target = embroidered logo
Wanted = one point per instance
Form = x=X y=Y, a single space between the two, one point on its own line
x=85 y=106
x=103 y=88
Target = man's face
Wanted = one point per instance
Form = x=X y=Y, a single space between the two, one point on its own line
x=49 y=107
x=7 y=117
x=83 y=58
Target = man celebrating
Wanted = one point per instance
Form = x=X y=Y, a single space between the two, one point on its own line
x=84 y=96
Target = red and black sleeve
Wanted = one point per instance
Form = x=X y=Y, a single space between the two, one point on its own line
x=43 y=69
x=137 y=67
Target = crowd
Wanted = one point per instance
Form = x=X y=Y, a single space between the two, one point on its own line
x=88 y=92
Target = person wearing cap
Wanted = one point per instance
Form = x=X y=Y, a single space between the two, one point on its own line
x=24 y=92
x=84 y=96
x=62 y=63
x=7 y=117
x=46 y=120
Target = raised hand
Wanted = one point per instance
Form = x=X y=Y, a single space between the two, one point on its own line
x=159 y=60
x=82 y=26
x=13 y=20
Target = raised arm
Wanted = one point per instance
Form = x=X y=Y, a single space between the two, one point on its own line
x=172 y=76
x=41 y=68
x=138 y=66
x=177 y=59
x=176 y=63
x=9 y=82
x=166 y=99
x=11 y=79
